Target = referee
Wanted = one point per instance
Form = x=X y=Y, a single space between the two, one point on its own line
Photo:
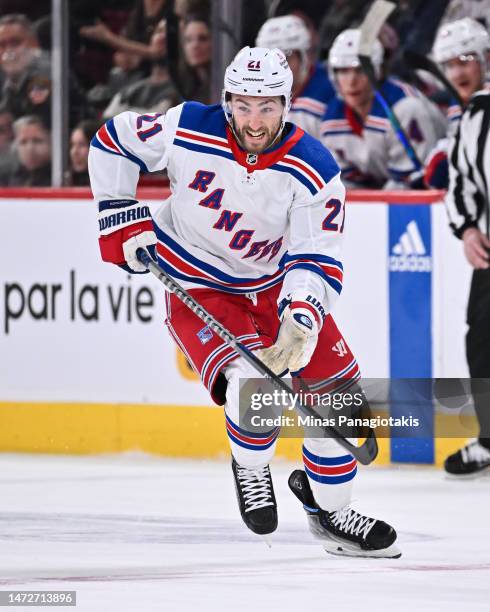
x=467 y=202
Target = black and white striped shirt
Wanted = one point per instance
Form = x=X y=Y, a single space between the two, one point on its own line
x=467 y=199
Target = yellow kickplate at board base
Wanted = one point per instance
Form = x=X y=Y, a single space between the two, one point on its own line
x=172 y=431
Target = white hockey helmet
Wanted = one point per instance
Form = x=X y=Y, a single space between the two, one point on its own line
x=288 y=33
x=460 y=38
x=256 y=71
x=344 y=53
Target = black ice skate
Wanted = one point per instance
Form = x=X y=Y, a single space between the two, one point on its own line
x=256 y=498
x=346 y=531
x=469 y=461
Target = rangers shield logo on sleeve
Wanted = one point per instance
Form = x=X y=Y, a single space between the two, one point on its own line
x=205 y=334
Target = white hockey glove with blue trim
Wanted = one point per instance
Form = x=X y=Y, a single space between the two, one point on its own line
x=297 y=337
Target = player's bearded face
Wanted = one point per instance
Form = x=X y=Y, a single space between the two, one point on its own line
x=256 y=121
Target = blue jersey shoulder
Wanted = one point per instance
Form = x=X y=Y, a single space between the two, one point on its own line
x=314 y=154
x=393 y=91
x=335 y=110
x=202 y=118
x=319 y=86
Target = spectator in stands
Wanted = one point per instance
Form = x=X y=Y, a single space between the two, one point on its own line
x=416 y=24
x=184 y=8
x=33 y=10
x=461 y=48
x=125 y=72
x=144 y=19
x=90 y=60
x=80 y=139
x=25 y=68
x=195 y=66
x=32 y=146
x=312 y=89
x=27 y=72
x=6 y=130
x=357 y=128
x=139 y=30
x=6 y=139
x=154 y=94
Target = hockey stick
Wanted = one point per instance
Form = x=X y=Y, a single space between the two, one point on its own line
x=370 y=28
x=417 y=61
x=365 y=453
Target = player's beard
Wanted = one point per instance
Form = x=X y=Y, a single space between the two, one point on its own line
x=246 y=141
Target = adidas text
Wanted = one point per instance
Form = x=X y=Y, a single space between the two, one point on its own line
x=410 y=263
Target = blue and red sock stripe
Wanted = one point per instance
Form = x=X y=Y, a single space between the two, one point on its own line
x=329 y=470
x=249 y=440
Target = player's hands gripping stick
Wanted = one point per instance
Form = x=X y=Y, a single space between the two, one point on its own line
x=125 y=226
x=296 y=340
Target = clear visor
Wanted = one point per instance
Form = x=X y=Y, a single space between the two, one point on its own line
x=464 y=58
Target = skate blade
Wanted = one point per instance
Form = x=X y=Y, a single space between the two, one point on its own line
x=267 y=540
x=346 y=549
x=339 y=547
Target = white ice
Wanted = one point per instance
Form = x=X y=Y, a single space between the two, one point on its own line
x=137 y=533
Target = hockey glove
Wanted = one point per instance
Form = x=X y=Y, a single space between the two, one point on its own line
x=436 y=171
x=296 y=340
x=125 y=226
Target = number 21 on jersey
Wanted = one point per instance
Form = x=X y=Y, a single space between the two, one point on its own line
x=143 y=135
x=329 y=224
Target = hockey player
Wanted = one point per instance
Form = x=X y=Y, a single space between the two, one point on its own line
x=468 y=207
x=461 y=49
x=312 y=89
x=356 y=127
x=254 y=220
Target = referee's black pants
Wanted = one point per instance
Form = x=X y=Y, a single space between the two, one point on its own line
x=478 y=349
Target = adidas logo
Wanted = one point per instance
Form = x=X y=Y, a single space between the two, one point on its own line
x=410 y=254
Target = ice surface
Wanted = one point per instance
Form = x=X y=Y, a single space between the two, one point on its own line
x=138 y=533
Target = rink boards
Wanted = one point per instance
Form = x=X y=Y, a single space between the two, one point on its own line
x=86 y=363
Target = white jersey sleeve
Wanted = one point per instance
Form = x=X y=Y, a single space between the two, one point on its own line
x=423 y=125
x=127 y=145
x=313 y=261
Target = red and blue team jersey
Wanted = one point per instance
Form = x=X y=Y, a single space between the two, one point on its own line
x=235 y=222
x=368 y=151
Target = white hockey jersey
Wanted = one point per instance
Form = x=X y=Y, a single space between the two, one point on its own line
x=309 y=105
x=234 y=222
x=370 y=153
